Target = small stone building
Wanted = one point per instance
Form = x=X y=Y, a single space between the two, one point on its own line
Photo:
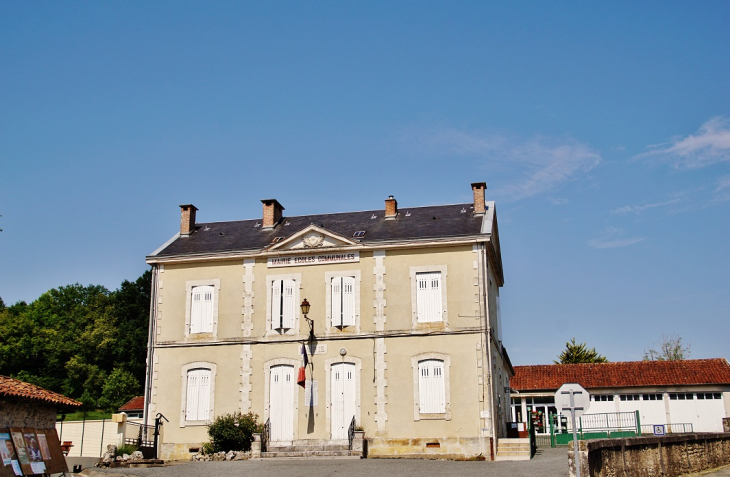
x=25 y=405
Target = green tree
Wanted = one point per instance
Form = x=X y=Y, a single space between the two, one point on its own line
x=131 y=310
x=670 y=349
x=120 y=387
x=82 y=341
x=579 y=353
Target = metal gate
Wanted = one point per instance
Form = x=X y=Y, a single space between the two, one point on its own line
x=147 y=439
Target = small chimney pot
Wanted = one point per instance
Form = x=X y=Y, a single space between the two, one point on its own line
x=391 y=208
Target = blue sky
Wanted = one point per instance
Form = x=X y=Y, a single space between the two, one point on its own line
x=602 y=131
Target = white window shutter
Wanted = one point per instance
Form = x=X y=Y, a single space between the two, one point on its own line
x=206 y=321
x=204 y=396
x=276 y=304
x=191 y=405
x=336 y=292
x=421 y=297
x=438 y=386
x=348 y=301
x=431 y=387
x=196 y=309
x=288 y=306
x=435 y=296
x=428 y=294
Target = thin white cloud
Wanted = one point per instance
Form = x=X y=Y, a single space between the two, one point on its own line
x=709 y=145
x=543 y=164
x=637 y=209
x=612 y=237
x=558 y=200
x=722 y=191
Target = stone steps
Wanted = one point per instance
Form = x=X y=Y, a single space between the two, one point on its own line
x=513 y=449
x=311 y=449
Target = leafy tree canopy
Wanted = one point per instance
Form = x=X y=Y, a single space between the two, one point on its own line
x=579 y=353
x=670 y=349
x=82 y=341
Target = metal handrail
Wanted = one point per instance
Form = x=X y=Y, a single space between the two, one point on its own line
x=351 y=433
x=265 y=435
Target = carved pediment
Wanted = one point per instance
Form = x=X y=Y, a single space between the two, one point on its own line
x=313 y=237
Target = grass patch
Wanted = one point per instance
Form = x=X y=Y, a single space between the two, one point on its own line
x=90 y=416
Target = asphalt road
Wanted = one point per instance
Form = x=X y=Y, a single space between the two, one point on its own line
x=547 y=462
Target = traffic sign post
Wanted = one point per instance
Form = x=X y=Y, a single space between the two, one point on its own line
x=574 y=399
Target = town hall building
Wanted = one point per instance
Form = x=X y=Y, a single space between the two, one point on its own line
x=397 y=310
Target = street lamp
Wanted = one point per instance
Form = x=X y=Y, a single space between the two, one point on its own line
x=305 y=311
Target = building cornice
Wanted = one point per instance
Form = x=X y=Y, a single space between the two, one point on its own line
x=258 y=253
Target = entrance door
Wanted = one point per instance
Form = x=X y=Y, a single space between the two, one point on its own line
x=342 y=407
x=281 y=404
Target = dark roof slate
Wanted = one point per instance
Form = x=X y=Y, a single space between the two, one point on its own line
x=622 y=374
x=443 y=221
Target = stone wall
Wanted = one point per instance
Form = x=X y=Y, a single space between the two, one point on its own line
x=669 y=456
x=428 y=448
x=22 y=414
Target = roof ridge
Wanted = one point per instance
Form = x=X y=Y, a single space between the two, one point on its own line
x=334 y=213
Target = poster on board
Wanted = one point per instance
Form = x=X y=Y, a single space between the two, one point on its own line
x=57 y=464
x=10 y=463
x=21 y=451
x=43 y=442
x=34 y=452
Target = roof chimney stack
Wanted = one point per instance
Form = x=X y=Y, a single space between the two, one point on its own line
x=272 y=213
x=187 y=219
x=391 y=208
x=478 y=189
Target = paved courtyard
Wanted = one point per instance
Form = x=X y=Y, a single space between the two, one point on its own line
x=547 y=462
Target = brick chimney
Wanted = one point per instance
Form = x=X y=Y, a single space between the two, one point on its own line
x=478 y=189
x=391 y=207
x=187 y=219
x=272 y=213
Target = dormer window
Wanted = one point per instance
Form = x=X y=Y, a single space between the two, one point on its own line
x=359 y=234
x=277 y=239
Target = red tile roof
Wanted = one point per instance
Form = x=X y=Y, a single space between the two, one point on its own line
x=10 y=387
x=134 y=404
x=622 y=374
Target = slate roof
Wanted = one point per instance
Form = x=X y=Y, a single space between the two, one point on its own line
x=134 y=404
x=622 y=374
x=14 y=388
x=433 y=222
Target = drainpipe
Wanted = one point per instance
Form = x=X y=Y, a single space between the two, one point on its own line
x=150 y=347
x=485 y=298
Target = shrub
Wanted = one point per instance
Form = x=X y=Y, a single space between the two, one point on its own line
x=233 y=432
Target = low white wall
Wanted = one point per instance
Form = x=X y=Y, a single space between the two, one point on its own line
x=96 y=435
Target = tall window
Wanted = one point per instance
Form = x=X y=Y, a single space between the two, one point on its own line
x=431 y=389
x=343 y=301
x=283 y=306
x=428 y=297
x=197 y=407
x=201 y=313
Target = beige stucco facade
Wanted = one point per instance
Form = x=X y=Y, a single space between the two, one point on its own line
x=384 y=345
